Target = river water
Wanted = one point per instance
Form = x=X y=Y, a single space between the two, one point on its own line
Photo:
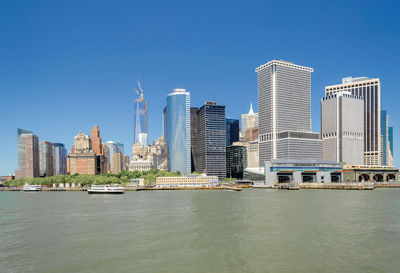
x=201 y=231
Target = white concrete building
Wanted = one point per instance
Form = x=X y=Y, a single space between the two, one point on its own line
x=342 y=128
x=284 y=103
x=370 y=91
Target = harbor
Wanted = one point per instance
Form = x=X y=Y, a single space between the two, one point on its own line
x=195 y=230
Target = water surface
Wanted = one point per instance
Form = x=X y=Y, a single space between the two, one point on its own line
x=201 y=231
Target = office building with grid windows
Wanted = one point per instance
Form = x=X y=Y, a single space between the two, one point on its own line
x=370 y=90
x=284 y=104
x=209 y=144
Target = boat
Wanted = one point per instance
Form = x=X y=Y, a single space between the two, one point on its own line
x=105 y=189
x=28 y=187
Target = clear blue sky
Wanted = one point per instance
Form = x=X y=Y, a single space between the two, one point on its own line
x=67 y=65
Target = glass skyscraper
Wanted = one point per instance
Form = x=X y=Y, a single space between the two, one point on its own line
x=46 y=158
x=209 y=139
x=391 y=140
x=112 y=149
x=120 y=148
x=387 y=139
x=139 y=118
x=28 y=154
x=232 y=131
x=178 y=130
x=60 y=159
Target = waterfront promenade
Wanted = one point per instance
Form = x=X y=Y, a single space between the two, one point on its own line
x=286 y=186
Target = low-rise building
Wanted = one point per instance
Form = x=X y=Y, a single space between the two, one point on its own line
x=301 y=171
x=146 y=157
x=236 y=160
x=189 y=181
x=368 y=173
x=139 y=164
x=6 y=178
x=254 y=174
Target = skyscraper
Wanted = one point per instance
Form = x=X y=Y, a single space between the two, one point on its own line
x=232 y=131
x=284 y=103
x=28 y=154
x=178 y=130
x=140 y=115
x=112 y=150
x=387 y=138
x=209 y=147
x=370 y=90
x=120 y=148
x=96 y=140
x=249 y=120
x=60 y=159
x=342 y=128
x=46 y=158
x=194 y=138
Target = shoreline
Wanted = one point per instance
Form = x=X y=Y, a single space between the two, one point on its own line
x=283 y=186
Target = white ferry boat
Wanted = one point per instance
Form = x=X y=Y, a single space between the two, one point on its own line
x=105 y=189
x=28 y=187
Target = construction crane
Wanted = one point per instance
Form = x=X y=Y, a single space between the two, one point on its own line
x=140 y=92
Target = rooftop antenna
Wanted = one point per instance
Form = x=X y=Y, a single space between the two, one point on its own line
x=140 y=92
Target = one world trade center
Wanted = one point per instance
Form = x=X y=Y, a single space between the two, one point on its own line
x=140 y=118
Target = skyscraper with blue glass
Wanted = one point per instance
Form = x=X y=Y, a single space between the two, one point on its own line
x=232 y=131
x=60 y=159
x=387 y=140
x=177 y=129
x=140 y=116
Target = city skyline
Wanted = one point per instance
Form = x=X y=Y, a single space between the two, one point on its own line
x=52 y=83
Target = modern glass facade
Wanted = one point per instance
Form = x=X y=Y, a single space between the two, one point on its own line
x=194 y=138
x=112 y=149
x=60 y=159
x=211 y=140
x=120 y=148
x=46 y=158
x=236 y=159
x=178 y=131
x=384 y=131
x=387 y=140
x=232 y=131
x=391 y=140
x=139 y=118
x=28 y=154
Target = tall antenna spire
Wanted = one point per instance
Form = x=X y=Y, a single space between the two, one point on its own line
x=251 y=112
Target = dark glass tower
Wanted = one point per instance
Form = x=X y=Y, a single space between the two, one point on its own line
x=232 y=131
x=236 y=159
x=209 y=139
